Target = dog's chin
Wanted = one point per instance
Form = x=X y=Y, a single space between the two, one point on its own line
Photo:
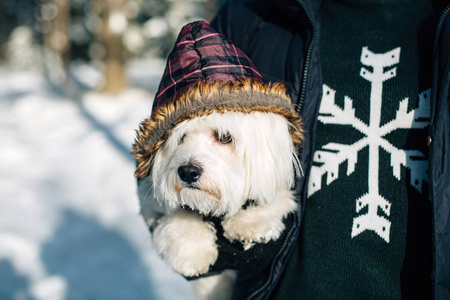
x=201 y=201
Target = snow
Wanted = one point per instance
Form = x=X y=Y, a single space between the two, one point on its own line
x=69 y=218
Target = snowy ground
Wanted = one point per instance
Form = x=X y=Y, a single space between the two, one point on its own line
x=69 y=221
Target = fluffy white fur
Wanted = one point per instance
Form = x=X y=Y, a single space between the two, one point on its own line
x=259 y=164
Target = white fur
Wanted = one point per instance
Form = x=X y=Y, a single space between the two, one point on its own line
x=259 y=164
x=260 y=223
x=186 y=242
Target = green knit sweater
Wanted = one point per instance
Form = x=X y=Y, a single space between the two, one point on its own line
x=367 y=226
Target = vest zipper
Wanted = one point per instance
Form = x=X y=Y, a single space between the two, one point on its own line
x=439 y=29
x=291 y=231
x=308 y=56
x=298 y=109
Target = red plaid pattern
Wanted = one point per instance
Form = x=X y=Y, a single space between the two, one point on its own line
x=201 y=53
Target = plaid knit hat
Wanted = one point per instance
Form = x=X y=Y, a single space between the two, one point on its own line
x=206 y=73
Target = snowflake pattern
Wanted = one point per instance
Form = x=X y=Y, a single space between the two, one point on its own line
x=332 y=155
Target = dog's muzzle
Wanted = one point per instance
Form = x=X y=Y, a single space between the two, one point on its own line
x=189 y=173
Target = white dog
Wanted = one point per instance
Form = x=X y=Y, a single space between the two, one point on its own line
x=220 y=144
x=211 y=165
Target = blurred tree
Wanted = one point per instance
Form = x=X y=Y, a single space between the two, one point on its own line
x=105 y=34
x=14 y=14
x=114 y=25
x=56 y=18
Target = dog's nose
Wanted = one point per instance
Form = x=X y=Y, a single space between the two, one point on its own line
x=189 y=173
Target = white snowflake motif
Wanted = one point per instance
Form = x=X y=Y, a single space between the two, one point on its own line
x=332 y=155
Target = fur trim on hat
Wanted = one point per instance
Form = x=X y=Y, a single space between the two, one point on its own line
x=204 y=98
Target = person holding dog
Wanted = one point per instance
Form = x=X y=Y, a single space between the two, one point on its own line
x=371 y=81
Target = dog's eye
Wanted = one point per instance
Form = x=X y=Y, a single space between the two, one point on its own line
x=224 y=138
x=182 y=138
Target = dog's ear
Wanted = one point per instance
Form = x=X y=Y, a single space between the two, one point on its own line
x=269 y=156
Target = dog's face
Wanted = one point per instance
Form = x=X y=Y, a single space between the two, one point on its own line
x=215 y=163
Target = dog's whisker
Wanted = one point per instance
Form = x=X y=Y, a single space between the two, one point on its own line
x=297 y=165
x=148 y=191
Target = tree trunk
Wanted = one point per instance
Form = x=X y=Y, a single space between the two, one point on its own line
x=114 y=24
x=57 y=41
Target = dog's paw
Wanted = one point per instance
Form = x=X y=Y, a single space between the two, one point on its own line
x=260 y=223
x=187 y=243
x=249 y=226
x=196 y=261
